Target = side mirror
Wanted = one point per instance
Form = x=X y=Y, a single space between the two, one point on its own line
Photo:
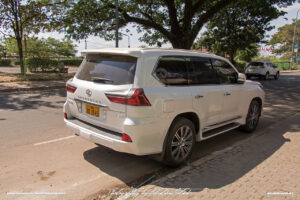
x=241 y=78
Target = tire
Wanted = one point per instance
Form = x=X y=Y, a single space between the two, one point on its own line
x=252 y=118
x=276 y=77
x=266 y=77
x=180 y=142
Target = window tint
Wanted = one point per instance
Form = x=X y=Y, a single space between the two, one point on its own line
x=172 y=70
x=256 y=64
x=201 y=71
x=110 y=69
x=225 y=72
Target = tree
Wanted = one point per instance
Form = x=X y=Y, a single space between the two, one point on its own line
x=18 y=16
x=178 y=22
x=248 y=53
x=282 y=40
x=240 y=25
x=49 y=47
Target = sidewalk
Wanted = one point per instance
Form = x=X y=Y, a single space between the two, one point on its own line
x=265 y=166
x=30 y=86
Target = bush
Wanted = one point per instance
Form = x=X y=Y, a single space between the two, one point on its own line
x=282 y=65
x=71 y=61
x=5 y=62
x=41 y=64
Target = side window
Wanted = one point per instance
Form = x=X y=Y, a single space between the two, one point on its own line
x=201 y=71
x=225 y=72
x=172 y=70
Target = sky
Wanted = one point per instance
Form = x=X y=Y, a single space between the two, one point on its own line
x=96 y=42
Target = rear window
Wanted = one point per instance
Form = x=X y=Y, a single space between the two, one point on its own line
x=256 y=64
x=108 y=69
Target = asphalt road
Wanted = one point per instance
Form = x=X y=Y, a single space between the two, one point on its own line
x=39 y=155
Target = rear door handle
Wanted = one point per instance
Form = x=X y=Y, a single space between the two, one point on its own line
x=227 y=94
x=199 y=96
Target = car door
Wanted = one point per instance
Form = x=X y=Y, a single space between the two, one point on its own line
x=231 y=89
x=205 y=91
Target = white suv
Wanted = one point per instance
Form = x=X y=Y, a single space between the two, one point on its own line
x=263 y=69
x=159 y=101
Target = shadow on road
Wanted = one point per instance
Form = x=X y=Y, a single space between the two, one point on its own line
x=228 y=167
x=32 y=100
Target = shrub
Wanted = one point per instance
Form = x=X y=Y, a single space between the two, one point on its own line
x=5 y=62
x=71 y=61
x=282 y=65
x=41 y=64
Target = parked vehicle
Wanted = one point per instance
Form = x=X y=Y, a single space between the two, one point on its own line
x=263 y=69
x=159 y=101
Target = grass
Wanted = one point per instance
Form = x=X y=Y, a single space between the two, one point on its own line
x=12 y=77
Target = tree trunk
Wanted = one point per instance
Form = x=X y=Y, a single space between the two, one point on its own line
x=20 y=48
x=181 y=44
x=231 y=56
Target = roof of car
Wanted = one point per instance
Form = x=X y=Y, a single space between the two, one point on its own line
x=136 y=52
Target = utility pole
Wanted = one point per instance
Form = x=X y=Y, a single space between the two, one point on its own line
x=117 y=24
x=293 y=41
x=85 y=44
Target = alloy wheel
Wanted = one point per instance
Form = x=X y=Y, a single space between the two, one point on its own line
x=182 y=143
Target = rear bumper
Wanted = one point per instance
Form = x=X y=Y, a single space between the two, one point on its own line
x=146 y=138
x=255 y=74
x=102 y=137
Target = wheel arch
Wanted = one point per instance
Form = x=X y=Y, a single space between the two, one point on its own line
x=193 y=117
x=259 y=100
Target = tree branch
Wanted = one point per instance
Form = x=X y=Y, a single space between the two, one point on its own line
x=210 y=13
x=173 y=16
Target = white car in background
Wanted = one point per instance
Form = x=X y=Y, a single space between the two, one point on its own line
x=263 y=69
x=159 y=101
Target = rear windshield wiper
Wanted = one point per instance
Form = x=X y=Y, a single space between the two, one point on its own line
x=98 y=79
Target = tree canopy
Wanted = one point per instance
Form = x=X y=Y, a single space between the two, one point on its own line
x=22 y=17
x=48 y=47
x=283 y=39
x=239 y=26
x=178 y=22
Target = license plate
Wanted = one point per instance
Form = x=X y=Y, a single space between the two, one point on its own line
x=92 y=110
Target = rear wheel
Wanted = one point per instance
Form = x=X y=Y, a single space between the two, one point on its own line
x=252 y=117
x=180 y=142
x=276 y=77
x=267 y=76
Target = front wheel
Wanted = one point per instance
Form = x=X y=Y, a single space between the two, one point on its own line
x=180 y=142
x=252 y=117
x=276 y=77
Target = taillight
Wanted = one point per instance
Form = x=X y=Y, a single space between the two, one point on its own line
x=126 y=138
x=138 y=98
x=70 y=88
x=65 y=116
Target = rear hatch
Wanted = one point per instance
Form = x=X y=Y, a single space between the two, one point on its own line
x=256 y=65
x=98 y=76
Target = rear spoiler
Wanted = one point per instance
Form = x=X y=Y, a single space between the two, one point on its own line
x=114 y=51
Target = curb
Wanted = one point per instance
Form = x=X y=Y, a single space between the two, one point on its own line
x=289 y=71
x=32 y=89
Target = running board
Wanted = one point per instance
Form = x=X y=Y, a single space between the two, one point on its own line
x=220 y=130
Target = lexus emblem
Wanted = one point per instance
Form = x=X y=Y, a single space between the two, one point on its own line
x=88 y=92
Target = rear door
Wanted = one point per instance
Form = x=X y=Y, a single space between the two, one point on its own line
x=100 y=75
x=205 y=90
x=230 y=89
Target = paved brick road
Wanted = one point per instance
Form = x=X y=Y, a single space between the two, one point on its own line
x=266 y=166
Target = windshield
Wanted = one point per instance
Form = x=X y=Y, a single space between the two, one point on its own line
x=256 y=64
x=108 y=69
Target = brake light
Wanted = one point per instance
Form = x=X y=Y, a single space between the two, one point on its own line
x=70 y=88
x=126 y=138
x=138 y=98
